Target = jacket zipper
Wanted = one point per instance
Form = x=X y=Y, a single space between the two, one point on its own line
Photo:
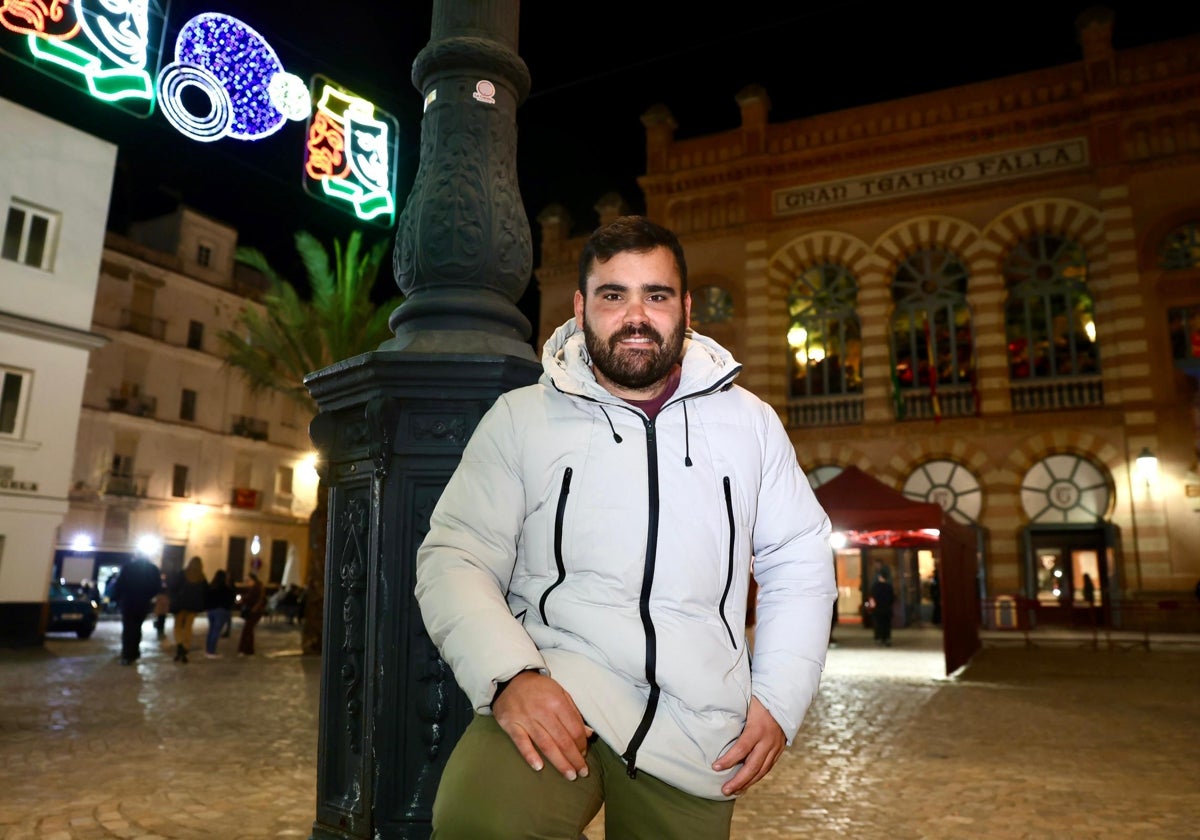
x=559 y=515
x=630 y=754
x=729 y=569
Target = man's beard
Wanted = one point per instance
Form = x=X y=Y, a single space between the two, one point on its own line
x=634 y=369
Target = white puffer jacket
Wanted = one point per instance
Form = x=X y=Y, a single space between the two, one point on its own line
x=614 y=553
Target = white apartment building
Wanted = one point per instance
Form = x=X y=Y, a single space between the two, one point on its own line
x=175 y=457
x=55 y=183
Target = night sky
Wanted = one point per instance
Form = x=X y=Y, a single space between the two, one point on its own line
x=595 y=69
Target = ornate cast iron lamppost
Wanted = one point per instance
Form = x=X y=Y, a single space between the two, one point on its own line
x=393 y=423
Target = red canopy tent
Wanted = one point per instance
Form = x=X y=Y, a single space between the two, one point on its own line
x=881 y=516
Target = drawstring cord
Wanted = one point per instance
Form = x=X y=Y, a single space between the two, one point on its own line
x=687 y=445
x=616 y=436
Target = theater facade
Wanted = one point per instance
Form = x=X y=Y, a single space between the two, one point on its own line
x=987 y=297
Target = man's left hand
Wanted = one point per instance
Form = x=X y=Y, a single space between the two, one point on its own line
x=757 y=749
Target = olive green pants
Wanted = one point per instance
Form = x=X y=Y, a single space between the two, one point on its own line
x=488 y=792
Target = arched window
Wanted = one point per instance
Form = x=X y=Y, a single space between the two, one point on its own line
x=932 y=341
x=824 y=337
x=1180 y=248
x=1048 y=315
x=711 y=305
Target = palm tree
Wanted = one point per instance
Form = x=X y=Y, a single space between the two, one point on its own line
x=274 y=347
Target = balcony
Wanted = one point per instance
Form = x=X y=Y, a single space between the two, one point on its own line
x=119 y=484
x=840 y=410
x=142 y=324
x=245 y=498
x=953 y=400
x=128 y=402
x=250 y=427
x=1056 y=394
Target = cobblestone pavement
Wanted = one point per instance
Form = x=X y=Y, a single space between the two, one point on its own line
x=1056 y=741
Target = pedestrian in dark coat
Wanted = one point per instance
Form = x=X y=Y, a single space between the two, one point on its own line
x=220 y=600
x=883 y=596
x=254 y=604
x=138 y=582
x=188 y=603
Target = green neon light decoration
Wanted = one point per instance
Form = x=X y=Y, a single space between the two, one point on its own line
x=351 y=152
x=111 y=85
x=107 y=48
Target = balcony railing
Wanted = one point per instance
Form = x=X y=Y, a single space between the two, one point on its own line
x=138 y=406
x=1056 y=394
x=952 y=400
x=142 y=324
x=119 y=484
x=841 y=410
x=250 y=427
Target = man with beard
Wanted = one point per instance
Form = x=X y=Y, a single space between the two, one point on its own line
x=586 y=572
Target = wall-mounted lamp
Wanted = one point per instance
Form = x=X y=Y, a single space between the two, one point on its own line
x=1147 y=466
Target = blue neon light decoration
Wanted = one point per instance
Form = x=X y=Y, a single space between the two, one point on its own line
x=250 y=95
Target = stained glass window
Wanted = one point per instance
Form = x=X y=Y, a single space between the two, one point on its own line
x=1048 y=314
x=932 y=341
x=824 y=336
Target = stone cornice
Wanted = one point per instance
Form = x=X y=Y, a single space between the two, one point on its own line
x=46 y=331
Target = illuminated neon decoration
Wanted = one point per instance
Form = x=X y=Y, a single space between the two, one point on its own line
x=351 y=152
x=107 y=47
x=250 y=96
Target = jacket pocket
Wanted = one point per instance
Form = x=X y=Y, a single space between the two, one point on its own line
x=729 y=561
x=560 y=513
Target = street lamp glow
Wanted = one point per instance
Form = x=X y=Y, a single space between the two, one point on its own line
x=838 y=540
x=82 y=542
x=149 y=545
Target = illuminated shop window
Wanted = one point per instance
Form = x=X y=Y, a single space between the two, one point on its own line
x=932 y=341
x=30 y=235
x=1181 y=248
x=711 y=305
x=1048 y=314
x=824 y=336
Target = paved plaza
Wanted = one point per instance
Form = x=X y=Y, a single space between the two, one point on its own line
x=1059 y=740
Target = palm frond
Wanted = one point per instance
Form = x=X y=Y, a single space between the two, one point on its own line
x=275 y=345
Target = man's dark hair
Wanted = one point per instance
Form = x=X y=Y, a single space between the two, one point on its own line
x=629 y=233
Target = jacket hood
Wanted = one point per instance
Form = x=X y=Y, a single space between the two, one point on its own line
x=567 y=365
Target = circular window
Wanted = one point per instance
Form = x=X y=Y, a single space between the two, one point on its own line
x=1064 y=489
x=823 y=474
x=948 y=484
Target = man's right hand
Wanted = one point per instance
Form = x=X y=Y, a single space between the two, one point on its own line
x=542 y=720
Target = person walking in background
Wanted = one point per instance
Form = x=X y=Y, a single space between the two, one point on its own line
x=138 y=582
x=162 y=606
x=189 y=602
x=883 y=600
x=1089 y=590
x=935 y=595
x=254 y=604
x=586 y=572
x=219 y=602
